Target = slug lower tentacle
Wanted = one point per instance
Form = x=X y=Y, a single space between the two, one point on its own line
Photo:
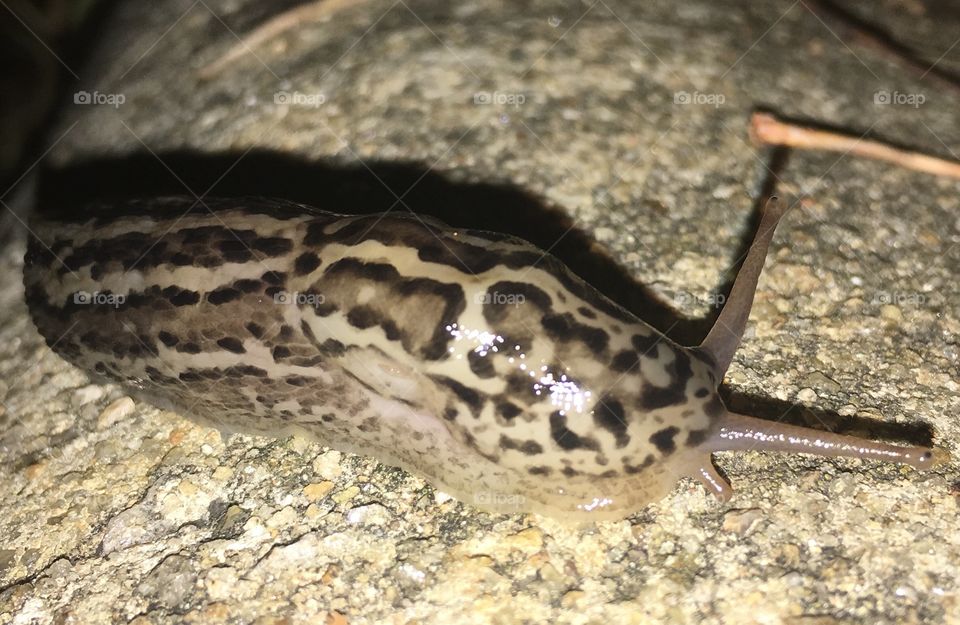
x=471 y=358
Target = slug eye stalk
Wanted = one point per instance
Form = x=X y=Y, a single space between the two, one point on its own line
x=738 y=432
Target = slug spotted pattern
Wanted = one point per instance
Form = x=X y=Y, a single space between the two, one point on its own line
x=471 y=358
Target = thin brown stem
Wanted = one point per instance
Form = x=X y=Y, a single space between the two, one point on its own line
x=766 y=129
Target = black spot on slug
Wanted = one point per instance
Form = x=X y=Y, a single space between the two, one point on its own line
x=528 y=447
x=663 y=440
x=223 y=295
x=674 y=393
x=248 y=286
x=305 y=263
x=471 y=397
x=714 y=408
x=564 y=328
x=235 y=251
x=608 y=414
x=180 y=297
x=626 y=360
x=274 y=277
x=332 y=347
x=231 y=344
x=391 y=330
x=482 y=366
x=504 y=297
x=634 y=469
x=246 y=370
x=508 y=410
x=696 y=437
x=363 y=317
x=567 y=438
x=355 y=268
x=586 y=312
x=646 y=345
x=190 y=376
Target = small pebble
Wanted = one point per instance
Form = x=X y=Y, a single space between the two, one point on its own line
x=346 y=495
x=86 y=395
x=741 y=522
x=116 y=411
x=372 y=514
x=317 y=490
x=891 y=313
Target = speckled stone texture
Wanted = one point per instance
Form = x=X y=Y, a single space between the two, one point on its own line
x=629 y=117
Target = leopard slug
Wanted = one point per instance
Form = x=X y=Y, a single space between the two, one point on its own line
x=471 y=358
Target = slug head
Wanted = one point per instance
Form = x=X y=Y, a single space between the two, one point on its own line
x=734 y=432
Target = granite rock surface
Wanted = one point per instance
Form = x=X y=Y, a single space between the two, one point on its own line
x=629 y=119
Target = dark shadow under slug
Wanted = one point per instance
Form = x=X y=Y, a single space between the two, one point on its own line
x=471 y=358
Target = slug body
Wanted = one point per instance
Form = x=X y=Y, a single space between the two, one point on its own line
x=471 y=358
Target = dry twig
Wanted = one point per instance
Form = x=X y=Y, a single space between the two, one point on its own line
x=766 y=129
